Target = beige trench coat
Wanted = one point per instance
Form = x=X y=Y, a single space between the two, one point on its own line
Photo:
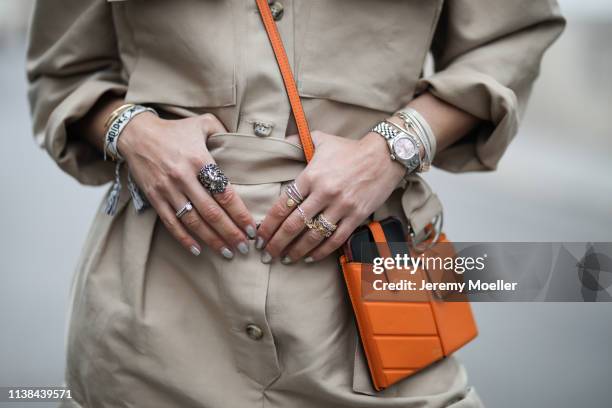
x=153 y=326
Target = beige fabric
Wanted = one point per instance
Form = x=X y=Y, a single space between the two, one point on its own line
x=153 y=326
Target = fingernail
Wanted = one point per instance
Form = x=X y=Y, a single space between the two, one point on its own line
x=243 y=248
x=266 y=257
x=227 y=254
x=259 y=243
x=250 y=230
x=195 y=250
x=286 y=260
x=309 y=259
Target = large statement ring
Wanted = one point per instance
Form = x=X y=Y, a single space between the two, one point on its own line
x=323 y=226
x=295 y=197
x=213 y=179
x=185 y=209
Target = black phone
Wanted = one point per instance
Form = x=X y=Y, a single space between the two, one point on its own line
x=360 y=245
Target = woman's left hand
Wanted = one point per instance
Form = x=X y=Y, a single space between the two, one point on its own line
x=345 y=181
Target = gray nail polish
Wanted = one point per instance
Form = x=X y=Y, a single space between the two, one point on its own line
x=227 y=254
x=243 y=247
x=309 y=259
x=286 y=260
x=266 y=257
x=194 y=250
x=259 y=243
x=250 y=231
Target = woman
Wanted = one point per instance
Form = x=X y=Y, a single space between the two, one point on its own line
x=234 y=301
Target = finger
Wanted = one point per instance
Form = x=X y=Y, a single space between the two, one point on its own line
x=279 y=211
x=214 y=215
x=194 y=223
x=233 y=205
x=291 y=227
x=172 y=224
x=338 y=238
x=311 y=238
x=212 y=124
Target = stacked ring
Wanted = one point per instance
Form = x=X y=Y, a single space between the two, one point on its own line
x=323 y=226
x=319 y=223
x=295 y=197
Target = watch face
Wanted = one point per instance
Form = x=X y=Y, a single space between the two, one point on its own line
x=404 y=148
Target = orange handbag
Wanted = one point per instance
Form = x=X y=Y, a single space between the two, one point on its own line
x=399 y=337
x=402 y=334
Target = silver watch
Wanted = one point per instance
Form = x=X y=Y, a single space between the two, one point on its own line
x=404 y=147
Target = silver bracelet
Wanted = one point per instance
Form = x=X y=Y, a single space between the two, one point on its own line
x=116 y=128
x=415 y=120
x=428 y=131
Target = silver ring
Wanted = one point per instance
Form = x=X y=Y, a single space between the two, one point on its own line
x=185 y=209
x=293 y=193
x=212 y=178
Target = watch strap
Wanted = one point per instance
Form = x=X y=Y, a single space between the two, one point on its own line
x=385 y=130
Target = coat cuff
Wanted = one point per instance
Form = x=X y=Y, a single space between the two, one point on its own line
x=71 y=151
x=484 y=97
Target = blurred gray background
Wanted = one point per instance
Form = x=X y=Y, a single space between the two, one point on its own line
x=554 y=184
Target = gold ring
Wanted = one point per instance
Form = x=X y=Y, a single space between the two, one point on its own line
x=322 y=225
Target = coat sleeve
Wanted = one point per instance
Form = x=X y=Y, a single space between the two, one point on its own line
x=72 y=61
x=487 y=54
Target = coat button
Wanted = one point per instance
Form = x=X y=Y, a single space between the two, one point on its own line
x=262 y=129
x=277 y=10
x=254 y=332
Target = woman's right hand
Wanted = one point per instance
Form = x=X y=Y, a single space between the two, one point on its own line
x=164 y=157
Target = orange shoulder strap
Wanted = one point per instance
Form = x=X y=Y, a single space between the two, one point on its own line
x=285 y=69
x=380 y=239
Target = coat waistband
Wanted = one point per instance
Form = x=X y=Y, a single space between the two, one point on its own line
x=249 y=159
